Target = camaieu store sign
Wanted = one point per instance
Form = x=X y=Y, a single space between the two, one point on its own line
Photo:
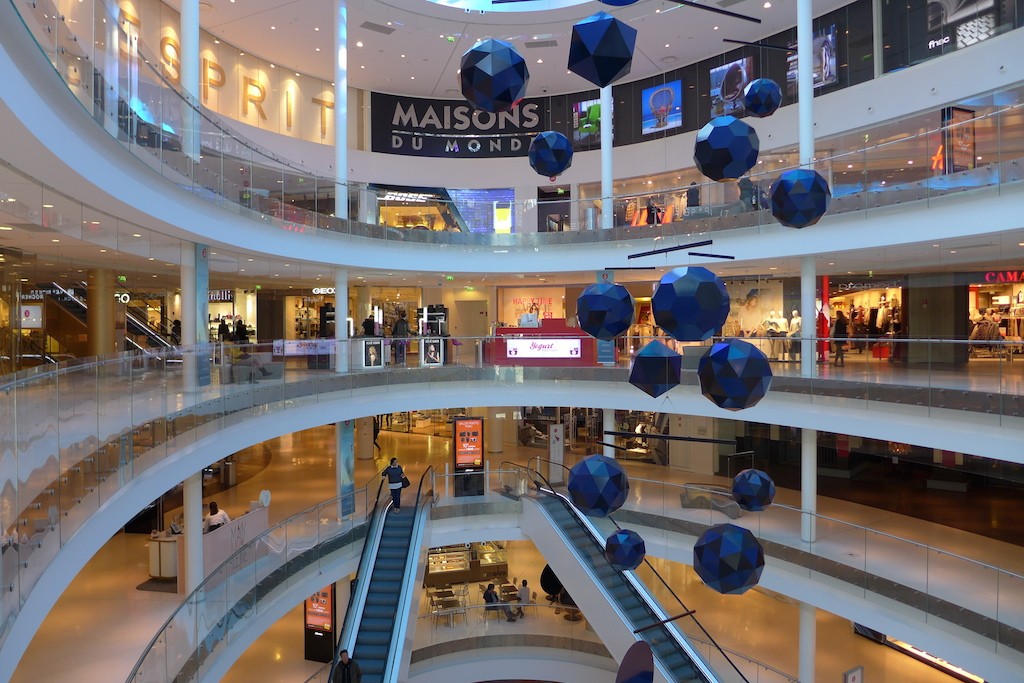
x=452 y=128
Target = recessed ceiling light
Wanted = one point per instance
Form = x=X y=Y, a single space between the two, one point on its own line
x=667 y=45
x=273 y=28
x=55 y=241
x=1020 y=244
x=767 y=5
x=412 y=78
x=361 y=66
x=316 y=28
x=47 y=206
x=318 y=49
x=135 y=234
x=5 y=228
x=716 y=28
x=952 y=251
x=11 y=199
x=540 y=61
x=152 y=259
x=909 y=162
x=359 y=43
x=773 y=268
x=242 y=270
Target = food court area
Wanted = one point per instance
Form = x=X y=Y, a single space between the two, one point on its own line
x=457 y=575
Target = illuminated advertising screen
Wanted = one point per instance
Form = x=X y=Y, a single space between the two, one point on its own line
x=320 y=610
x=825 y=71
x=727 y=83
x=662 y=107
x=958 y=138
x=469 y=442
x=586 y=121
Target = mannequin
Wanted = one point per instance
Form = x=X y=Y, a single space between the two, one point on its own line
x=773 y=330
x=796 y=324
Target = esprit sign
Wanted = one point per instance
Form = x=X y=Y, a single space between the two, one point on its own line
x=451 y=128
x=995 y=276
x=542 y=348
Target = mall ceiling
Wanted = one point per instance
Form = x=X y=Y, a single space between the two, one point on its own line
x=413 y=47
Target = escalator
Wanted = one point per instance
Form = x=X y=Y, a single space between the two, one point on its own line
x=376 y=622
x=629 y=599
x=139 y=334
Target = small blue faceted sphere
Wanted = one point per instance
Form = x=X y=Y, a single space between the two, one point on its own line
x=656 y=369
x=799 y=197
x=493 y=76
x=625 y=549
x=550 y=153
x=601 y=49
x=605 y=310
x=753 y=490
x=690 y=304
x=598 y=485
x=762 y=97
x=726 y=148
x=728 y=559
x=734 y=374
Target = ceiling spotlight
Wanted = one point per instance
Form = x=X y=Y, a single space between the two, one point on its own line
x=359 y=43
x=767 y=5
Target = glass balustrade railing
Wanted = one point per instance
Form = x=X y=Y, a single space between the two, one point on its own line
x=74 y=434
x=238 y=591
x=193 y=149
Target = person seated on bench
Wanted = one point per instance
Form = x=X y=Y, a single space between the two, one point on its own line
x=241 y=357
x=216 y=519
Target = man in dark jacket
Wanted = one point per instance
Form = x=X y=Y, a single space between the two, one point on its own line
x=347 y=670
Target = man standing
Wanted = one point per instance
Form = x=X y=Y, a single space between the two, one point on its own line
x=347 y=670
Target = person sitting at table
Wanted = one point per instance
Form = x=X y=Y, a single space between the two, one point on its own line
x=524 y=599
x=491 y=598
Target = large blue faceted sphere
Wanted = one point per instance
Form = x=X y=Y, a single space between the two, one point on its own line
x=493 y=76
x=728 y=559
x=625 y=549
x=601 y=49
x=690 y=304
x=762 y=97
x=598 y=485
x=605 y=310
x=656 y=369
x=799 y=197
x=550 y=153
x=734 y=374
x=726 y=148
x=753 y=490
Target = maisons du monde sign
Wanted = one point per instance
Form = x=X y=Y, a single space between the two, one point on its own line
x=452 y=128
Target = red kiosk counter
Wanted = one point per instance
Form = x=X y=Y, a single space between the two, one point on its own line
x=553 y=344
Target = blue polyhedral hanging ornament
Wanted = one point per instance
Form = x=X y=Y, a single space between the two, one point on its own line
x=726 y=148
x=601 y=49
x=690 y=304
x=598 y=485
x=734 y=374
x=753 y=490
x=625 y=549
x=550 y=153
x=728 y=559
x=617 y=3
x=799 y=197
x=762 y=97
x=656 y=369
x=605 y=310
x=493 y=76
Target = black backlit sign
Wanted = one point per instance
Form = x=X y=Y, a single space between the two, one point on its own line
x=452 y=128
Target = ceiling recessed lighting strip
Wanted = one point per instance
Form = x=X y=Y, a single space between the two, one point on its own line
x=718 y=10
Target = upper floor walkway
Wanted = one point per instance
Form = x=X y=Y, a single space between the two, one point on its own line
x=88 y=445
x=206 y=200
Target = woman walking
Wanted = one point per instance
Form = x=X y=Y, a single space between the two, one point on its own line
x=395 y=475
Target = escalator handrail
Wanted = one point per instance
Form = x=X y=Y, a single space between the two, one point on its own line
x=357 y=598
x=144 y=326
x=628 y=576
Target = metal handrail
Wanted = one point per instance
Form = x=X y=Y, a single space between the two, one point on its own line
x=548 y=489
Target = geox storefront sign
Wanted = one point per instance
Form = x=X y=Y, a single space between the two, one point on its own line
x=452 y=128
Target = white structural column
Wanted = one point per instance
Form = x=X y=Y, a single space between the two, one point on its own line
x=809 y=317
x=341 y=320
x=192 y=500
x=189 y=324
x=190 y=77
x=111 y=68
x=808 y=484
x=808 y=636
x=341 y=109
x=607 y=191
x=608 y=425
x=805 y=79
x=877 y=37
